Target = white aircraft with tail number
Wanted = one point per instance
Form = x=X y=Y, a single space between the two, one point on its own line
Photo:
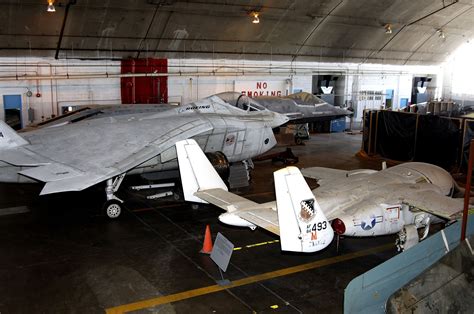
x=359 y=203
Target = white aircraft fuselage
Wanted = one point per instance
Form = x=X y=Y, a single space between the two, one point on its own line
x=89 y=144
x=366 y=202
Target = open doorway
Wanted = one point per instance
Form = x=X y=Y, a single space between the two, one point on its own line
x=12 y=107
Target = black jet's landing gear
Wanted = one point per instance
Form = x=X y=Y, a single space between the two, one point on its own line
x=113 y=205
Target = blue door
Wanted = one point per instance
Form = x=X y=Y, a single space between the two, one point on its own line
x=12 y=107
x=403 y=103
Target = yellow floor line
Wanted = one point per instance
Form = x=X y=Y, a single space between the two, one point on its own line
x=241 y=282
x=255 y=244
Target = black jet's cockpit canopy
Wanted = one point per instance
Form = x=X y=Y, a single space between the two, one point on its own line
x=241 y=101
x=305 y=98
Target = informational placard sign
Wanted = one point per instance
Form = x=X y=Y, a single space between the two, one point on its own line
x=222 y=251
x=262 y=88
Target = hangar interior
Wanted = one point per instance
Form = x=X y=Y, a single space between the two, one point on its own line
x=402 y=68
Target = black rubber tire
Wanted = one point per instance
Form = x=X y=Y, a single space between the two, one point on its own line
x=113 y=209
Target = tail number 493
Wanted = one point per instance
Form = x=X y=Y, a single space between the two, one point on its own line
x=317 y=226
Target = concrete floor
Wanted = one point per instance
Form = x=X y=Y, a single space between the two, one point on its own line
x=60 y=256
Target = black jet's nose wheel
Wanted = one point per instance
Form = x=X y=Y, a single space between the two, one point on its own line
x=113 y=209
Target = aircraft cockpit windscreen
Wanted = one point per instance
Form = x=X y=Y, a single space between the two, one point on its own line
x=241 y=101
x=248 y=104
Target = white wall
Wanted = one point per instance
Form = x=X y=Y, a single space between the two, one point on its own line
x=189 y=80
x=458 y=70
x=54 y=93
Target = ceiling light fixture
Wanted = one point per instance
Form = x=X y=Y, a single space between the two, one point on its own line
x=388 y=29
x=255 y=15
x=51 y=7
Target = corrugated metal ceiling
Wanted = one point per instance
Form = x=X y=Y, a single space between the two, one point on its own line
x=305 y=30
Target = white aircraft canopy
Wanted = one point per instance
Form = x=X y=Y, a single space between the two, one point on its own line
x=241 y=101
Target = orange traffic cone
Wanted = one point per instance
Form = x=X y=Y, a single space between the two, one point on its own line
x=207 y=245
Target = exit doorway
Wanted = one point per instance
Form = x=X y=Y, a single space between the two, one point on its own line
x=12 y=107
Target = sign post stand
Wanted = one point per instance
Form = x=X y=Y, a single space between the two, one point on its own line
x=221 y=253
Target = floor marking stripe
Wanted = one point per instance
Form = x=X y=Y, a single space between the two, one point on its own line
x=255 y=245
x=261 y=243
x=241 y=282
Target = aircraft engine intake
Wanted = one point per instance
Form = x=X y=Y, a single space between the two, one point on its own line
x=220 y=162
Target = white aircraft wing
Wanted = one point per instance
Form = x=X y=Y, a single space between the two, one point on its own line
x=229 y=202
x=425 y=197
x=434 y=203
x=88 y=155
x=262 y=215
x=19 y=156
x=325 y=175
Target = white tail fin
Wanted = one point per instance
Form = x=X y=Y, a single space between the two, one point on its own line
x=196 y=171
x=303 y=225
x=9 y=138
